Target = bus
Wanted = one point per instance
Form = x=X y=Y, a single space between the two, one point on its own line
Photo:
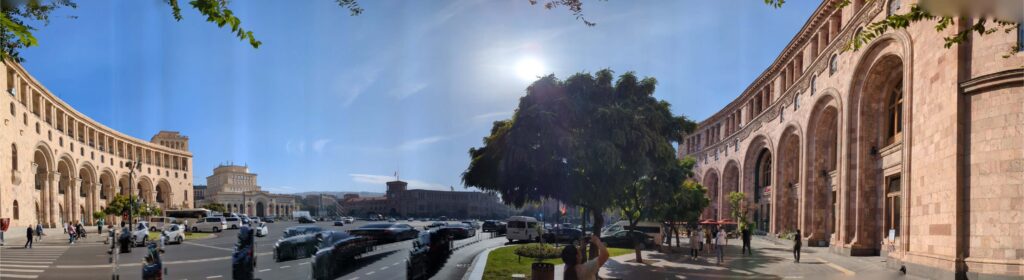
x=190 y=216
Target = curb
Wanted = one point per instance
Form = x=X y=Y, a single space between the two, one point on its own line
x=476 y=270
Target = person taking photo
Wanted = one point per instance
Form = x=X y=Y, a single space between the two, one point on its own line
x=576 y=268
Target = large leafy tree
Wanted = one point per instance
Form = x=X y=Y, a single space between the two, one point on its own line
x=654 y=195
x=582 y=141
x=685 y=203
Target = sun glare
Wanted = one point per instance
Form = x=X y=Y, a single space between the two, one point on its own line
x=529 y=69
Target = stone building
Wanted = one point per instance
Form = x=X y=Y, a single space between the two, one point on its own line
x=236 y=188
x=199 y=192
x=60 y=165
x=903 y=148
x=399 y=201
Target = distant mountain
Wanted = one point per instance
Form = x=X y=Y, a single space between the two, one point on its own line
x=342 y=194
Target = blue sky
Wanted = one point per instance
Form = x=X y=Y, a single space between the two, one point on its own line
x=332 y=102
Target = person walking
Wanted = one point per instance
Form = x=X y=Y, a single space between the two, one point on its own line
x=28 y=237
x=39 y=232
x=71 y=234
x=694 y=244
x=796 y=246
x=720 y=242
x=707 y=240
x=745 y=234
x=576 y=268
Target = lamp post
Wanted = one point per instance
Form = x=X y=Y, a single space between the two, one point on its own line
x=132 y=200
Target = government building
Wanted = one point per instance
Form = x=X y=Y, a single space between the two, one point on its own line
x=58 y=165
x=903 y=148
x=399 y=201
x=235 y=187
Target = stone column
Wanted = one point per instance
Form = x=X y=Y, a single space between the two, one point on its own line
x=52 y=185
x=76 y=200
x=41 y=207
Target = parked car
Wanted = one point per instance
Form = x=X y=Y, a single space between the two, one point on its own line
x=261 y=229
x=339 y=223
x=435 y=225
x=209 y=224
x=158 y=223
x=343 y=249
x=428 y=254
x=175 y=234
x=490 y=226
x=268 y=220
x=300 y=230
x=305 y=220
x=140 y=234
x=522 y=228
x=386 y=232
x=624 y=239
x=392 y=220
x=563 y=235
x=458 y=230
x=233 y=222
x=473 y=224
x=348 y=220
x=245 y=219
x=304 y=246
x=410 y=219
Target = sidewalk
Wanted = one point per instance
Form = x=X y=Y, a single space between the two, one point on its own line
x=769 y=261
x=15 y=237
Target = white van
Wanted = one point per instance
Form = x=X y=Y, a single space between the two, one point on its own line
x=522 y=228
x=652 y=229
x=158 y=223
x=209 y=224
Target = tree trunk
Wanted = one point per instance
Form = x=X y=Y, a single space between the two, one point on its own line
x=598 y=224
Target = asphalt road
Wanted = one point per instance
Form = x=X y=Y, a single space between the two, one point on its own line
x=211 y=259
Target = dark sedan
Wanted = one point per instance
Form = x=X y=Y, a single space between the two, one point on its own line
x=435 y=225
x=563 y=235
x=306 y=220
x=339 y=223
x=300 y=230
x=268 y=220
x=304 y=246
x=428 y=254
x=490 y=226
x=458 y=231
x=343 y=249
x=386 y=232
x=624 y=239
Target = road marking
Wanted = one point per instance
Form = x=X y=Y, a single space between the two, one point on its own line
x=304 y=263
x=370 y=273
x=212 y=277
x=383 y=268
x=20 y=270
x=19 y=276
x=287 y=266
x=24 y=265
x=265 y=269
x=354 y=278
x=396 y=263
x=837 y=267
x=211 y=247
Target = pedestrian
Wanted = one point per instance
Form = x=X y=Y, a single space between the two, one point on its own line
x=694 y=244
x=99 y=227
x=720 y=242
x=65 y=226
x=39 y=232
x=576 y=268
x=796 y=246
x=28 y=237
x=745 y=234
x=707 y=240
x=71 y=234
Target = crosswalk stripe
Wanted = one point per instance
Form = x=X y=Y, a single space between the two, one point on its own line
x=25 y=262
x=23 y=265
x=21 y=276
x=20 y=270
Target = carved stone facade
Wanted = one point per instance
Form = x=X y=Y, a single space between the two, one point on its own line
x=903 y=148
x=59 y=165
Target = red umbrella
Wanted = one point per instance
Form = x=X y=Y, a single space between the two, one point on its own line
x=726 y=222
x=708 y=222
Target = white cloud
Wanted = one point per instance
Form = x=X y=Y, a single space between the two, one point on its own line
x=492 y=116
x=380 y=180
x=407 y=89
x=295 y=147
x=318 y=145
x=419 y=143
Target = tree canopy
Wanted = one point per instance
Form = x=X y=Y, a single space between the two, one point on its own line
x=581 y=141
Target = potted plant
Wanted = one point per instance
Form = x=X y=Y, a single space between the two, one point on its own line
x=539 y=252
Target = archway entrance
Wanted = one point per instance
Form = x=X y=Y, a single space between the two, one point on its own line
x=730 y=183
x=261 y=210
x=43 y=188
x=762 y=190
x=821 y=192
x=874 y=196
x=786 y=195
x=711 y=183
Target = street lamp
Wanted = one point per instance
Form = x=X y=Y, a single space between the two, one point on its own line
x=132 y=166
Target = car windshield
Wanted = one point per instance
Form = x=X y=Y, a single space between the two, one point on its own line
x=174 y=228
x=141 y=226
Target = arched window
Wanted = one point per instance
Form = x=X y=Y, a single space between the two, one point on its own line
x=833 y=64
x=16 y=214
x=895 y=116
x=14 y=157
x=894 y=6
x=13 y=113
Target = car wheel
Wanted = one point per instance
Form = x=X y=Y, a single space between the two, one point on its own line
x=180 y=240
x=215 y=229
